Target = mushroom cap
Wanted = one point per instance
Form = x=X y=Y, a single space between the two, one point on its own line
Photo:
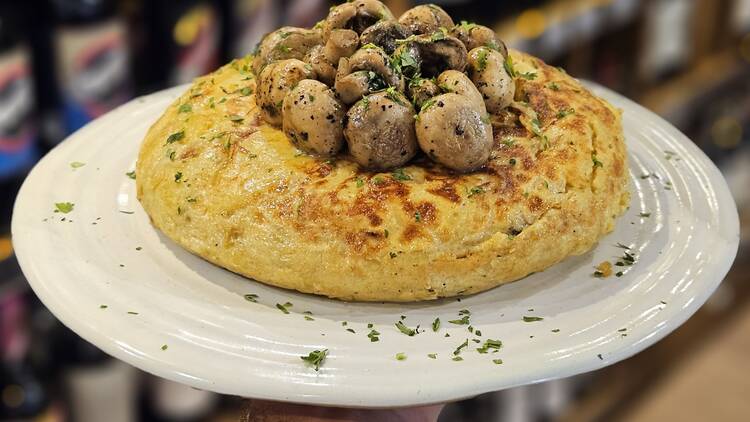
x=421 y=90
x=380 y=130
x=356 y=85
x=376 y=60
x=426 y=19
x=384 y=34
x=275 y=81
x=473 y=36
x=439 y=52
x=287 y=42
x=458 y=83
x=454 y=132
x=488 y=74
x=356 y=15
x=313 y=118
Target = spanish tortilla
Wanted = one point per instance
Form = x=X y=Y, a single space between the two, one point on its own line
x=225 y=186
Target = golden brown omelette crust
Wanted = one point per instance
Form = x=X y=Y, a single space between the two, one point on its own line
x=237 y=193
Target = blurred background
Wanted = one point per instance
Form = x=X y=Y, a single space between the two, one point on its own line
x=65 y=62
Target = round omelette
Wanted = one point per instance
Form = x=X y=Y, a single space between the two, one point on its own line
x=228 y=187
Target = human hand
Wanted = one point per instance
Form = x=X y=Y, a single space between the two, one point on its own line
x=267 y=411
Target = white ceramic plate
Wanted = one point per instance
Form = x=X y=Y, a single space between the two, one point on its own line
x=105 y=252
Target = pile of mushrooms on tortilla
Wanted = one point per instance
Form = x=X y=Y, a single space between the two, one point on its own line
x=385 y=87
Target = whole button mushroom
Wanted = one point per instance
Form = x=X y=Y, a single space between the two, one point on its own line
x=341 y=43
x=275 y=81
x=313 y=118
x=384 y=34
x=458 y=83
x=487 y=71
x=324 y=69
x=454 y=132
x=421 y=90
x=285 y=43
x=323 y=58
x=425 y=19
x=380 y=130
x=352 y=87
x=438 y=52
x=356 y=15
x=473 y=36
x=373 y=58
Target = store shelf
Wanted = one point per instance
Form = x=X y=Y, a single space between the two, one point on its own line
x=671 y=98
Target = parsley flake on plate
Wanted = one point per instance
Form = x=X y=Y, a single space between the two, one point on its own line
x=315 y=358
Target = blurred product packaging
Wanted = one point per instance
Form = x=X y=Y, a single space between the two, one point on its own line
x=17 y=129
x=92 y=59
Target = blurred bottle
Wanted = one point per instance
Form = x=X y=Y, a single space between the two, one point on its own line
x=17 y=130
x=251 y=19
x=23 y=396
x=92 y=59
x=182 y=42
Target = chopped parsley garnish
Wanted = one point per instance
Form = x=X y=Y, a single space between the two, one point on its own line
x=417 y=216
x=406 y=64
x=432 y=355
x=309 y=318
x=360 y=182
x=482 y=59
x=536 y=127
x=399 y=174
x=532 y=318
x=596 y=161
x=246 y=91
x=565 y=112
x=438 y=35
x=462 y=346
x=178 y=176
x=175 y=137
x=185 y=108
x=427 y=104
x=555 y=330
x=476 y=190
x=457 y=358
x=282 y=308
x=77 y=164
x=103 y=306
x=508 y=64
x=236 y=118
x=375 y=82
x=351 y=331
x=132 y=313
x=377 y=181
x=131 y=174
x=64 y=207
x=164 y=347
x=436 y=324
x=490 y=344
x=369 y=46
x=554 y=86
x=645 y=214
x=462 y=321
x=392 y=94
x=251 y=297
x=315 y=358
x=373 y=335
x=497 y=361
x=668 y=155
x=400 y=356
x=406 y=330
x=392 y=254
x=530 y=76
x=621 y=246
